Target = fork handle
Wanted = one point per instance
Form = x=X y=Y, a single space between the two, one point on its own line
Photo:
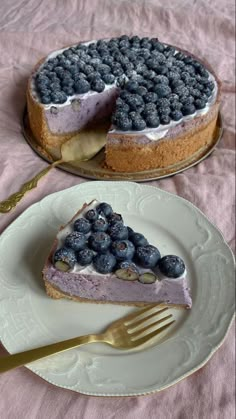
x=9 y=203
x=10 y=362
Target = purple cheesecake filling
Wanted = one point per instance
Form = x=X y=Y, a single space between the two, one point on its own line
x=81 y=111
x=110 y=288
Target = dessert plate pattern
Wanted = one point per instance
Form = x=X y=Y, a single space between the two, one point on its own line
x=29 y=318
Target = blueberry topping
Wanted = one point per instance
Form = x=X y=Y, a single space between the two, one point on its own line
x=98 y=85
x=108 y=78
x=150 y=97
x=91 y=215
x=200 y=103
x=147 y=278
x=115 y=218
x=162 y=90
x=82 y=225
x=99 y=241
x=123 y=249
x=85 y=256
x=138 y=239
x=105 y=209
x=152 y=120
x=104 y=263
x=118 y=232
x=64 y=259
x=124 y=123
x=100 y=225
x=138 y=124
x=127 y=270
x=58 y=97
x=188 y=109
x=176 y=115
x=75 y=241
x=82 y=86
x=147 y=256
x=132 y=86
x=171 y=266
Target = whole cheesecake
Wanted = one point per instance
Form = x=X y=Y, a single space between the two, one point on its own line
x=162 y=102
x=96 y=258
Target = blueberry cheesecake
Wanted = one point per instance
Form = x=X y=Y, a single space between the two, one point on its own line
x=162 y=102
x=96 y=258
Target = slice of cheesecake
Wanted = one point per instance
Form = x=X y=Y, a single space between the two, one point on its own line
x=96 y=258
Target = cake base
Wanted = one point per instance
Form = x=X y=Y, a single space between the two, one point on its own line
x=96 y=168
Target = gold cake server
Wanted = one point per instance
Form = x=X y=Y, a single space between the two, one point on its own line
x=82 y=147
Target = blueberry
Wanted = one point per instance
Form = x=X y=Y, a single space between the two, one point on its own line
x=93 y=76
x=75 y=241
x=103 y=69
x=162 y=90
x=64 y=259
x=210 y=85
x=104 y=263
x=141 y=91
x=100 y=225
x=85 y=256
x=82 y=225
x=152 y=120
x=138 y=239
x=127 y=270
x=123 y=249
x=171 y=266
x=195 y=92
x=58 y=97
x=149 y=108
x=99 y=241
x=115 y=218
x=124 y=124
x=187 y=100
x=164 y=118
x=118 y=232
x=188 y=109
x=130 y=231
x=200 y=103
x=45 y=99
x=176 y=105
x=181 y=90
x=125 y=264
x=108 y=78
x=82 y=86
x=132 y=86
x=147 y=256
x=138 y=124
x=150 y=97
x=135 y=102
x=104 y=208
x=69 y=91
x=176 y=115
x=160 y=79
x=91 y=215
x=98 y=85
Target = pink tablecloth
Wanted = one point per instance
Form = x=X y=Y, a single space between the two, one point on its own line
x=29 y=30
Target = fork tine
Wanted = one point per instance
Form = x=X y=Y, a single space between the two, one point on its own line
x=137 y=323
x=138 y=313
x=139 y=332
x=146 y=338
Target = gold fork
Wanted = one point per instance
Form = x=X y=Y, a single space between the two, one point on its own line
x=131 y=331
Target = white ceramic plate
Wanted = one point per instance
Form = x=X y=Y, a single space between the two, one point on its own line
x=28 y=318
